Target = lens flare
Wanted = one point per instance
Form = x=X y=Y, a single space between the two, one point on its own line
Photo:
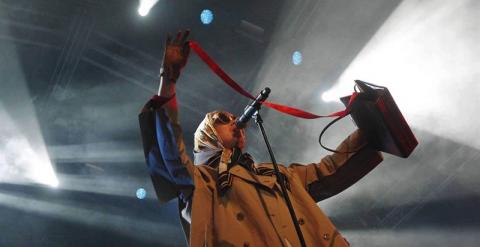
x=145 y=6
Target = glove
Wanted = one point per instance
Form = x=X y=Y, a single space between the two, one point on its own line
x=175 y=56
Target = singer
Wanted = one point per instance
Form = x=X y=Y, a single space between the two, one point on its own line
x=225 y=198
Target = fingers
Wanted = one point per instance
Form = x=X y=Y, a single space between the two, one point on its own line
x=184 y=41
x=181 y=37
x=168 y=40
x=179 y=46
x=185 y=36
x=167 y=43
x=186 y=48
x=178 y=38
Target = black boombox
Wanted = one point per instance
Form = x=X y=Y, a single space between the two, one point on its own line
x=374 y=111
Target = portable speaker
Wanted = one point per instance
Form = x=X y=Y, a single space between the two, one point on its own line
x=374 y=111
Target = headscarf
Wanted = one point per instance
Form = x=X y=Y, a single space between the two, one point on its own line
x=208 y=150
x=206 y=141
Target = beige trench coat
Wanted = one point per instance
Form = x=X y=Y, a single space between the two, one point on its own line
x=253 y=211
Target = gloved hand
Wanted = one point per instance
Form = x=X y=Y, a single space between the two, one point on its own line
x=175 y=56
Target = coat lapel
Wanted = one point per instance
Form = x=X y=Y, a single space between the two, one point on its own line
x=241 y=172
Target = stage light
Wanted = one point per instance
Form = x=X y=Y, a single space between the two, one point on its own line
x=23 y=153
x=429 y=64
x=143 y=11
x=141 y=193
x=21 y=163
x=40 y=166
x=145 y=6
x=332 y=95
x=206 y=16
x=297 y=58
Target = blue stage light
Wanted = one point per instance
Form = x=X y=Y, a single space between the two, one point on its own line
x=206 y=16
x=297 y=58
x=141 y=193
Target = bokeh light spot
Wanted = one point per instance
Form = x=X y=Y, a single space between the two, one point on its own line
x=297 y=58
x=206 y=16
x=141 y=193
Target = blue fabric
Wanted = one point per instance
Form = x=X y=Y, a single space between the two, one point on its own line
x=164 y=158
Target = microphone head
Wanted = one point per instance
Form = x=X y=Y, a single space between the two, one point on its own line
x=252 y=108
x=265 y=92
x=240 y=124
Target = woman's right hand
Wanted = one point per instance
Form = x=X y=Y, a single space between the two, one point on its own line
x=175 y=56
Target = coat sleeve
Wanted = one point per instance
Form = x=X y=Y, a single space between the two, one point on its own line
x=338 y=171
x=168 y=164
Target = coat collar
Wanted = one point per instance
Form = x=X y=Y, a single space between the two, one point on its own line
x=243 y=166
x=264 y=180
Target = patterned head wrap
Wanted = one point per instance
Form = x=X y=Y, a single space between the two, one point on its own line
x=207 y=146
x=208 y=150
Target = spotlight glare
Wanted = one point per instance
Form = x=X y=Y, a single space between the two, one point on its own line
x=336 y=92
x=145 y=6
x=20 y=161
x=328 y=96
x=48 y=177
x=430 y=66
x=23 y=153
x=143 y=11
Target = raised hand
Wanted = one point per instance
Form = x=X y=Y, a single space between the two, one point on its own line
x=175 y=56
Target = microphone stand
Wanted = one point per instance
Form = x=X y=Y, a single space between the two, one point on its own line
x=280 y=179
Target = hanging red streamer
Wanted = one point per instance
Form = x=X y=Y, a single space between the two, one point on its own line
x=235 y=86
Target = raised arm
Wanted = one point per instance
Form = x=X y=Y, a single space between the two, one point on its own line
x=169 y=165
x=338 y=171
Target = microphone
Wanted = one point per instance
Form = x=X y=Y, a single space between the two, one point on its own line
x=253 y=107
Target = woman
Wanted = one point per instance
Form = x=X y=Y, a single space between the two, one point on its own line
x=226 y=199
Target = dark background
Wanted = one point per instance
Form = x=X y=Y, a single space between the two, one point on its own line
x=84 y=69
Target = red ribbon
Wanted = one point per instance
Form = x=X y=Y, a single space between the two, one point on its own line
x=281 y=108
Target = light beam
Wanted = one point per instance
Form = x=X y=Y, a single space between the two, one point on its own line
x=23 y=154
x=426 y=53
